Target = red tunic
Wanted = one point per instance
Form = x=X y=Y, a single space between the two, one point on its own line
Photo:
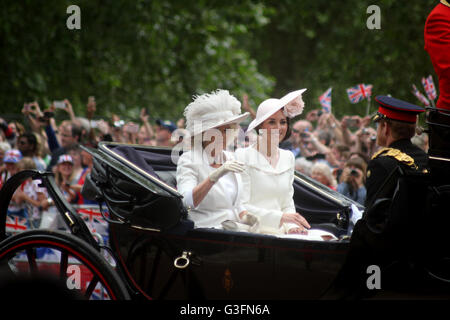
x=437 y=44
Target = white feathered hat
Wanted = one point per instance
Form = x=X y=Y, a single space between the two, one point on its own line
x=292 y=103
x=212 y=110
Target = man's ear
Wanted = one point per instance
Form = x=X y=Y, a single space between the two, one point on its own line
x=387 y=129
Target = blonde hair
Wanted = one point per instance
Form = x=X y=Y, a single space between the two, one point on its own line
x=325 y=170
x=26 y=163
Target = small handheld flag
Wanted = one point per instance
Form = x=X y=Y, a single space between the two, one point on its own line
x=359 y=92
x=325 y=100
x=420 y=96
x=429 y=87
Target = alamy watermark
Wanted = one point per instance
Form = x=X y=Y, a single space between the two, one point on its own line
x=74 y=20
x=374 y=280
x=374 y=20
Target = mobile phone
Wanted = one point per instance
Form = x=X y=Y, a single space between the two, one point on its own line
x=133 y=128
x=48 y=114
x=91 y=99
x=59 y=104
x=351 y=122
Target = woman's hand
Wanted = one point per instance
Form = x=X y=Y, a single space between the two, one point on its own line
x=297 y=231
x=229 y=166
x=295 y=218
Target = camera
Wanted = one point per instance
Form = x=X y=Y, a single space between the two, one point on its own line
x=304 y=135
x=354 y=173
x=48 y=114
x=119 y=124
x=59 y=104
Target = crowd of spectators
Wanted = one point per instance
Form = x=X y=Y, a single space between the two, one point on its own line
x=335 y=152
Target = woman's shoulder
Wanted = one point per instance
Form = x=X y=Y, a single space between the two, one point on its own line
x=185 y=159
x=287 y=155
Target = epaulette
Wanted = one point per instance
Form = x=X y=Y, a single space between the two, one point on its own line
x=397 y=155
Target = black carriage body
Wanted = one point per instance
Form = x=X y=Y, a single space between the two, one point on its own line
x=150 y=230
x=227 y=265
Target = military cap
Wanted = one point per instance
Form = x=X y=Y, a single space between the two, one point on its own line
x=395 y=109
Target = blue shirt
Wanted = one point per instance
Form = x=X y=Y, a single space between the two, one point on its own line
x=358 y=195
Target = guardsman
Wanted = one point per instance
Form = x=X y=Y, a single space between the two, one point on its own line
x=437 y=44
x=396 y=124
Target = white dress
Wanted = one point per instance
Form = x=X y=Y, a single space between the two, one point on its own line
x=221 y=203
x=268 y=191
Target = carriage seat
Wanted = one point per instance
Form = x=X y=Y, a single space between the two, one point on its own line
x=168 y=177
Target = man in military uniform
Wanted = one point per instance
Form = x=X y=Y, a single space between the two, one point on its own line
x=396 y=125
x=370 y=244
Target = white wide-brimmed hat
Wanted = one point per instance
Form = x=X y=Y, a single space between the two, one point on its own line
x=212 y=110
x=293 y=107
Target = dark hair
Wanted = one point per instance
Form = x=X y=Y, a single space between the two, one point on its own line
x=76 y=131
x=31 y=138
x=288 y=131
x=359 y=163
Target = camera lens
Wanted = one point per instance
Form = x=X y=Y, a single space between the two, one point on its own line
x=354 y=173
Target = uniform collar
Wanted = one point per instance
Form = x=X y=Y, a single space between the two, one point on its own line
x=399 y=143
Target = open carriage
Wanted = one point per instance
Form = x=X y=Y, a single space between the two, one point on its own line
x=154 y=251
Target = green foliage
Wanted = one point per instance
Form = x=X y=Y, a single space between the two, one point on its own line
x=157 y=54
x=321 y=44
x=128 y=54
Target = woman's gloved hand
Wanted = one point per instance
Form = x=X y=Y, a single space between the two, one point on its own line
x=229 y=166
x=251 y=220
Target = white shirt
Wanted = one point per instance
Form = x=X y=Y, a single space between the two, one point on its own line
x=268 y=191
x=221 y=203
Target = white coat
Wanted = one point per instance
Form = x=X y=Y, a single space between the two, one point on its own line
x=221 y=203
x=268 y=191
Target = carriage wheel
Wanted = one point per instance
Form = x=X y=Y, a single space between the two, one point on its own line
x=78 y=269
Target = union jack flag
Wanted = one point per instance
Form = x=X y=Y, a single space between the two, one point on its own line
x=429 y=87
x=325 y=100
x=91 y=215
x=420 y=96
x=94 y=220
x=16 y=224
x=359 y=92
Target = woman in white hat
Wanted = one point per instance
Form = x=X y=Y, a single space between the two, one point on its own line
x=269 y=174
x=207 y=175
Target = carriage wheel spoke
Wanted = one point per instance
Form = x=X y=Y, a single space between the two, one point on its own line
x=91 y=287
x=31 y=255
x=63 y=267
